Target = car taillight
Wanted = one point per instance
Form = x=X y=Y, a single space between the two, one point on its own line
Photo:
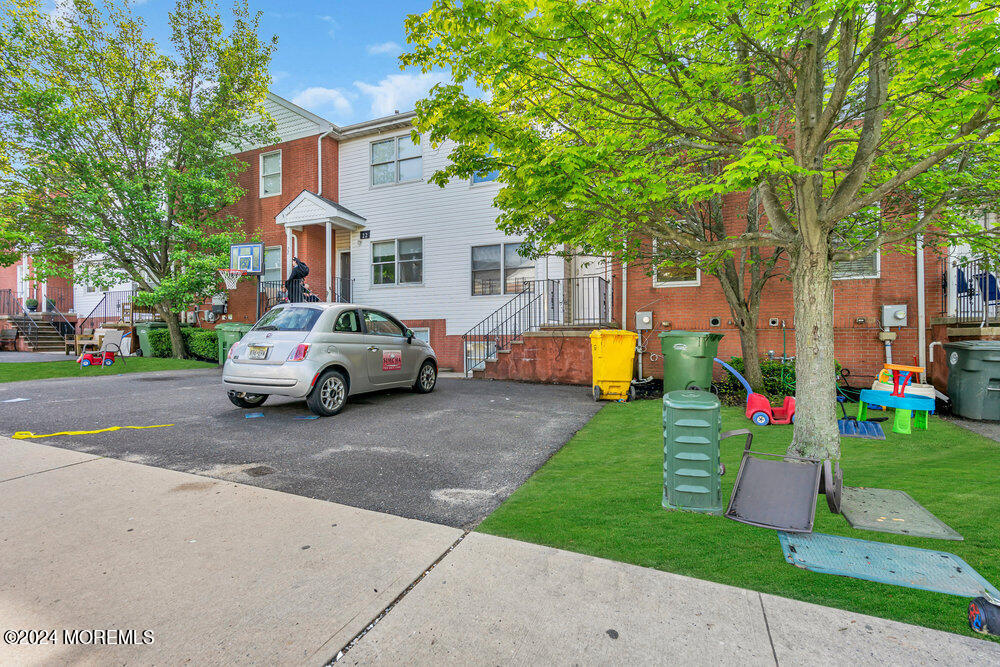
x=299 y=353
x=232 y=352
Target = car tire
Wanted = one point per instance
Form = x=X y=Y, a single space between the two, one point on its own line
x=244 y=400
x=426 y=378
x=329 y=396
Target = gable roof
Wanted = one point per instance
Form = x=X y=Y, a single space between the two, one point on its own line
x=309 y=208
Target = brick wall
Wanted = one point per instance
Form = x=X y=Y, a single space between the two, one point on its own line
x=856 y=343
x=448 y=349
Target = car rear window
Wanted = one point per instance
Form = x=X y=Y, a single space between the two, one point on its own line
x=288 y=318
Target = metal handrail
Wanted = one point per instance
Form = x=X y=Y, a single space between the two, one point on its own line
x=977 y=291
x=80 y=323
x=547 y=302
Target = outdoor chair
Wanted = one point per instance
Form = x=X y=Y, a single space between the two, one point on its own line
x=111 y=345
x=81 y=343
x=8 y=339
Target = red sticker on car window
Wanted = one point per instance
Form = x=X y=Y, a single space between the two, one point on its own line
x=392 y=360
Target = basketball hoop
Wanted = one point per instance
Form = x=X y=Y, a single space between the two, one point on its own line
x=231 y=277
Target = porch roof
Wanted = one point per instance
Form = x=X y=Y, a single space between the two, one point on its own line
x=309 y=208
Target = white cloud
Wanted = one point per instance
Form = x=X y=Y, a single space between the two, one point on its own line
x=326 y=18
x=398 y=92
x=384 y=47
x=323 y=101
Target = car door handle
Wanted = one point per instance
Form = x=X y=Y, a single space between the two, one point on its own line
x=372 y=348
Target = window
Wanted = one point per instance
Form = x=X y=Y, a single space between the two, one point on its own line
x=382 y=325
x=348 y=322
x=675 y=276
x=487 y=177
x=422 y=333
x=396 y=161
x=270 y=174
x=290 y=318
x=863 y=267
x=499 y=265
x=398 y=262
x=272 y=266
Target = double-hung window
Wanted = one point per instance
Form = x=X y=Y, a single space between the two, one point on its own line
x=396 y=160
x=499 y=268
x=674 y=276
x=270 y=174
x=859 y=229
x=398 y=262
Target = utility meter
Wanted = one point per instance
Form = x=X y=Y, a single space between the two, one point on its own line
x=643 y=320
x=894 y=316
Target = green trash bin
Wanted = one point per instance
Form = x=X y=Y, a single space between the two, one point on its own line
x=229 y=334
x=692 y=472
x=687 y=359
x=974 y=378
x=142 y=330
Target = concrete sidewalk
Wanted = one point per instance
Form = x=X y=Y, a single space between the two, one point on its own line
x=223 y=572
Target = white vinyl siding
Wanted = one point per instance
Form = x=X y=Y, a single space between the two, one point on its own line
x=270 y=174
x=449 y=221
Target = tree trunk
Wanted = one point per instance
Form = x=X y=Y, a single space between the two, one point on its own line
x=751 y=354
x=815 y=432
x=174 y=327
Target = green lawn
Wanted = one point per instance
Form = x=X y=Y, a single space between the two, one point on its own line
x=37 y=370
x=601 y=493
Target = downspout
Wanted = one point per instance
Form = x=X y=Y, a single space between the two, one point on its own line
x=921 y=306
x=319 y=160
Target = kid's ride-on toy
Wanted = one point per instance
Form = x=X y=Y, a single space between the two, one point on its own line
x=105 y=356
x=759 y=409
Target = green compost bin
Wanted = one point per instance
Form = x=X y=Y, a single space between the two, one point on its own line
x=142 y=330
x=974 y=378
x=229 y=334
x=692 y=471
x=688 y=358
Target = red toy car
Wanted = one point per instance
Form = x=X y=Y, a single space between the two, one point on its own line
x=105 y=358
x=760 y=411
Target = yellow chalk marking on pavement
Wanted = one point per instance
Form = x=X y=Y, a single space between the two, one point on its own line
x=23 y=435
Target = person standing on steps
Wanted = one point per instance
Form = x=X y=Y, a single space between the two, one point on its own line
x=293 y=286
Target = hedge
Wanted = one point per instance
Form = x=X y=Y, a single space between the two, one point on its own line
x=200 y=343
x=779 y=381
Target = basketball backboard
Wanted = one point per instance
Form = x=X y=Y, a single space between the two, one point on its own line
x=248 y=257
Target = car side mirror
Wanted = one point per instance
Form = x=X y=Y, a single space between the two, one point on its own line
x=409 y=336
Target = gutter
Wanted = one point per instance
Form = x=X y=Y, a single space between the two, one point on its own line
x=319 y=159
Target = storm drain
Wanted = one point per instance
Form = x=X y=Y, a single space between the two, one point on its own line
x=259 y=471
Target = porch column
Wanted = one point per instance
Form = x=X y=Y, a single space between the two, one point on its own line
x=288 y=251
x=329 y=260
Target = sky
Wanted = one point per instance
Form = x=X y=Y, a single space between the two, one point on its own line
x=336 y=58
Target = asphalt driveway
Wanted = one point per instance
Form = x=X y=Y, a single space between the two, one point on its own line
x=449 y=457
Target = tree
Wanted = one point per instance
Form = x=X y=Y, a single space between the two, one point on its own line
x=118 y=152
x=602 y=117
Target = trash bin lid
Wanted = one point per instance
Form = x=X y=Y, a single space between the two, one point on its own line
x=689 y=399
x=680 y=333
x=984 y=345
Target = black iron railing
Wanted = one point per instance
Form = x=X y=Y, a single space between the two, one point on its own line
x=540 y=303
x=977 y=290
x=13 y=307
x=273 y=292
x=115 y=307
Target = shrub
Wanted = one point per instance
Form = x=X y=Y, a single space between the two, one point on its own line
x=204 y=344
x=200 y=343
x=779 y=381
x=31 y=303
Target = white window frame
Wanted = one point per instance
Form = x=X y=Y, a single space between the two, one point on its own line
x=503 y=267
x=394 y=161
x=419 y=330
x=396 y=263
x=281 y=261
x=875 y=276
x=696 y=282
x=260 y=171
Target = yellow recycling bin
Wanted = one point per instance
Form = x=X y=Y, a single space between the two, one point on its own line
x=613 y=352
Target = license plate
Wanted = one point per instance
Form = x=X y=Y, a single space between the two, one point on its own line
x=258 y=352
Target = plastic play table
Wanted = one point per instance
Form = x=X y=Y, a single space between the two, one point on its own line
x=905 y=406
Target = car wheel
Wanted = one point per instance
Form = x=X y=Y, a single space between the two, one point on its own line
x=329 y=395
x=243 y=400
x=426 y=379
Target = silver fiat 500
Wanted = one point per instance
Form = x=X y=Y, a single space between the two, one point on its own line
x=325 y=352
